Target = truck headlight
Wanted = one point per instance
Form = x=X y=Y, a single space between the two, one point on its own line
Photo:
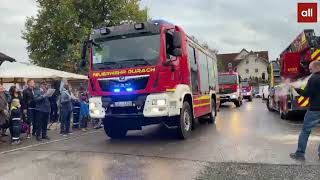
x=159 y=102
x=92 y=105
x=233 y=96
x=96 y=112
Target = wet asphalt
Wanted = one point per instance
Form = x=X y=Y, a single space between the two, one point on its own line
x=245 y=143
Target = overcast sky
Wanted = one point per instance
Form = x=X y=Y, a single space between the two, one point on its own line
x=227 y=26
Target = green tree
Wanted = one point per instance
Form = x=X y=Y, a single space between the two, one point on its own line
x=55 y=35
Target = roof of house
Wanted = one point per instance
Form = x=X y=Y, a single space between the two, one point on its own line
x=227 y=58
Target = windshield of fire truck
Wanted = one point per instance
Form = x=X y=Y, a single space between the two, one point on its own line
x=126 y=52
x=227 y=79
x=245 y=83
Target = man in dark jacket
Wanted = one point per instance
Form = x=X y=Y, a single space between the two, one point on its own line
x=312 y=117
x=29 y=105
x=42 y=111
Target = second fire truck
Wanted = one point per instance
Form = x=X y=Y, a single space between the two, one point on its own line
x=291 y=68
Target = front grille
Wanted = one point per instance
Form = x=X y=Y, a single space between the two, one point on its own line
x=138 y=100
x=227 y=91
x=131 y=97
x=137 y=83
x=125 y=110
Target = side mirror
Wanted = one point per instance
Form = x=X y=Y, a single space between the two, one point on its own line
x=177 y=40
x=84 y=55
x=177 y=52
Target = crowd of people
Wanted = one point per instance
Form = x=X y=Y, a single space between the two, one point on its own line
x=30 y=110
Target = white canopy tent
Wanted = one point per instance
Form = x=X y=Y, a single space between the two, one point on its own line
x=18 y=72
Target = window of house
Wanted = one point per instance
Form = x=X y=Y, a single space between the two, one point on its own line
x=256 y=70
x=247 y=71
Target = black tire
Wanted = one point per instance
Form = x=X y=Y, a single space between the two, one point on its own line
x=268 y=105
x=213 y=114
x=237 y=103
x=250 y=99
x=283 y=115
x=114 y=129
x=185 y=121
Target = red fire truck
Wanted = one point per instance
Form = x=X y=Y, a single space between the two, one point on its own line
x=149 y=73
x=247 y=90
x=230 y=88
x=292 y=67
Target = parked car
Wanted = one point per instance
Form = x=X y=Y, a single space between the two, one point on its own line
x=258 y=93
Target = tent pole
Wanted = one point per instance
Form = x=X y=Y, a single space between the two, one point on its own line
x=14 y=81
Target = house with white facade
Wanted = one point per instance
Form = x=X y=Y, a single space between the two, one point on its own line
x=249 y=64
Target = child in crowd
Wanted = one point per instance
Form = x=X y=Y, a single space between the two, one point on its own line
x=15 y=121
x=84 y=112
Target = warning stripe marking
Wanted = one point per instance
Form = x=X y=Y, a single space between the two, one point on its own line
x=315 y=54
x=306 y=103
x=303 y=101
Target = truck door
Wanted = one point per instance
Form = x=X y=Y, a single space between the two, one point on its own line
x=204 y=101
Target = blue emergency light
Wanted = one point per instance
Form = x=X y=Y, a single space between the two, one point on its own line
x=129 y=89
x=116 y=90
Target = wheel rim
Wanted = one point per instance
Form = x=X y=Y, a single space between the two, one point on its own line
x=186 y=120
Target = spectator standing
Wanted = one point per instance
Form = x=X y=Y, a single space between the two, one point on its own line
x=84 y=114
x=65 y=110
x=83 y=94
x=54 y=107
x=29 y=105
x=312 y=116
x=42 y=111
x=4 y=114
x=15 y=121
x=15 y=94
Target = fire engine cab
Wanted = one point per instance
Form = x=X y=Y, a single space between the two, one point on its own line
x=230 y=88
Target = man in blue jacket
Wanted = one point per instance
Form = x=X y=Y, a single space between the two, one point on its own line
x=312 y=117
x=42 y=108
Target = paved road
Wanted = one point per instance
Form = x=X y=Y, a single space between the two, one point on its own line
x=246 y=143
